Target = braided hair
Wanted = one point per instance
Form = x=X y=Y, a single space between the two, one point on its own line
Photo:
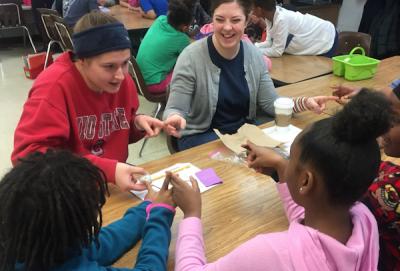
x=343 y=149
x=50 y=205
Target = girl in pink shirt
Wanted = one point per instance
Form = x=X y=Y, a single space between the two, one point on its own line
x=332 y=163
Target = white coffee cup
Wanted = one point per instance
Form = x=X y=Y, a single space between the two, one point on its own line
x=283 y=112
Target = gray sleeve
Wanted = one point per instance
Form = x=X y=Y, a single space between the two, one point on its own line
x=266 y=92
x=182 y=86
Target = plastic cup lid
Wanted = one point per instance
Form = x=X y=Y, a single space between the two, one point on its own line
x=284 y=103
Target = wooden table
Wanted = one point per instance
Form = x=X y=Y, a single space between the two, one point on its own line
x=388 y=70
x=132 y=20
x=136 y=25
x=289 y=69
x=247 y=203
x=243 y=206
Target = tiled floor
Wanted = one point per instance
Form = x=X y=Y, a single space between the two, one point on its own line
x=14 y=88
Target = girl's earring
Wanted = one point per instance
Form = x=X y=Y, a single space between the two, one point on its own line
x=301 y=189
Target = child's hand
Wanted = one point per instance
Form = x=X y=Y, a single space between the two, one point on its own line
x=345 y=93
x=264 y=160
x=162 y=196
x=187 y=197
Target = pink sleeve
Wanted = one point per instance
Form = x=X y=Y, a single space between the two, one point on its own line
x=255 y=254
x=293 y=210
x=189 y=254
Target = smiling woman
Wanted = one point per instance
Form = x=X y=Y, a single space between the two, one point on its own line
x=86 y=103
x=218 y=82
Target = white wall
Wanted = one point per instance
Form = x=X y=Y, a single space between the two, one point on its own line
x=350 y=15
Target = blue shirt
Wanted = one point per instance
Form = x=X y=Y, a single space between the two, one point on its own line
x=160 y=7
x=120 y=236
x=73 y=10
x=233 y=94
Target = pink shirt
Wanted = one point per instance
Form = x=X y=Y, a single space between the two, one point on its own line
x=299 y=248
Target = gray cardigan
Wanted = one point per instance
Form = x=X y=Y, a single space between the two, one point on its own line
x=195 y=83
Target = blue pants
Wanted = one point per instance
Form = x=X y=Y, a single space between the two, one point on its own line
x=190 y=141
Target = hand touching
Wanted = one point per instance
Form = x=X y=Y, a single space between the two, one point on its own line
x=186 y=197
x=265 y=160
x=151 y=125
x=345 y=93
x=173 y=124
x=317 y=104
x=162 y=196
x=125 y=177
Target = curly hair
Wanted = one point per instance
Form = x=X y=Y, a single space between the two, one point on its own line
x=180 y=12
x=343 y=149
x=50 y=204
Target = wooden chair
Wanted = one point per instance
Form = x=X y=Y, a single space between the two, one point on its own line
x=172 y=144
x=159 y=99
x=50 y=29
x=348 y=40
x=64 y=31
x=11 y=17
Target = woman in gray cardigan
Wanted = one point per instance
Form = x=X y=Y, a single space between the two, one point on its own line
x=219 y=81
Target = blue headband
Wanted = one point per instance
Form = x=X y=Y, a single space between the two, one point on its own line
x=101 y=39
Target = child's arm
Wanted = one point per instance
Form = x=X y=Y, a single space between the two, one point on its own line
x=256 y=254
x=278 y=34
x=253 y=255
x=153 y=253
x=119 y=237
x=147 y=9
x=293 y=210
x=125 y=3
x=266 y=160
x=150 y=14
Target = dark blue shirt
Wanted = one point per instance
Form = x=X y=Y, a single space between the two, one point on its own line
x=233 y=95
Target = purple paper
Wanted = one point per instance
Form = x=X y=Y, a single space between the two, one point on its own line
x=208 y=177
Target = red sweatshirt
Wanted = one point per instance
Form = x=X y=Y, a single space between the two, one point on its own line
x=62 y=112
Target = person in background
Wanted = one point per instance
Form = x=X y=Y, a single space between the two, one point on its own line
x=86 y=102
x=332 y=163
x=294 y=33
x=169 y=33
x=38 y=20
x=51 y=218
x=131 y=4
x=151 y=9
x=200 y=18
x=383 y=196
x=219 y=81
x=73 y=10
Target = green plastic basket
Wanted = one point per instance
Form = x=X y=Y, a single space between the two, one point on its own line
x=355 y=66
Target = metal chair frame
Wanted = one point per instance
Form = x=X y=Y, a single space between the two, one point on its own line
x=54 y=37
x=64 y=32
x=159 y=99
x=19 y=23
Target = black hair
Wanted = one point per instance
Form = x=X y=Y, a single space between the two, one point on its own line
x=246 y=5
x=268 y=5
x=50 y=205
x=343 y=149
x=180 y=12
